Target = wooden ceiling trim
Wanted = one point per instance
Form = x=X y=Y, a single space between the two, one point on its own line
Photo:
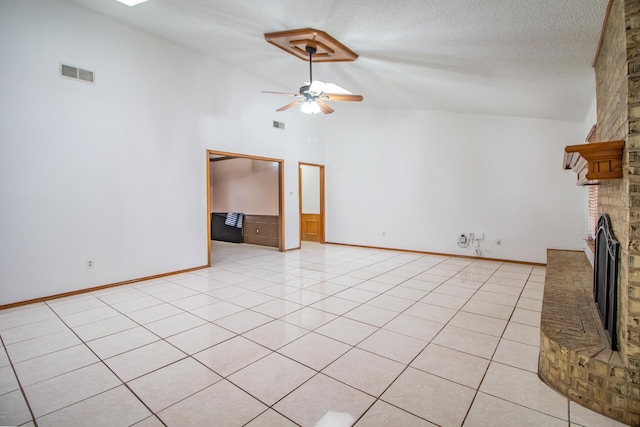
x=295 y=42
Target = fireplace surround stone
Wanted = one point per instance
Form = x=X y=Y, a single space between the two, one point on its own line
x=575 y=356
x=609 y=384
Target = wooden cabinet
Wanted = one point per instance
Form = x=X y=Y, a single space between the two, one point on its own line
x=261 y=230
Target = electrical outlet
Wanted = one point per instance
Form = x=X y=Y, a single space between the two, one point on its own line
x=89 y=264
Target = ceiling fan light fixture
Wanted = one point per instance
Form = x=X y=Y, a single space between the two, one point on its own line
x=314 y=94
x=310 y=107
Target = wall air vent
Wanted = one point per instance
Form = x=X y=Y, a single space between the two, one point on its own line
x=76 y=73
x=278 y=125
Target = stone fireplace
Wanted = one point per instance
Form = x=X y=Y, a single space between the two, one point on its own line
x=575 y=356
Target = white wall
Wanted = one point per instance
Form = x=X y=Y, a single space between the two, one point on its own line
x=243 y=185
x=116 y=172
x=423 y=177
x=590 y=119
x=96 y=171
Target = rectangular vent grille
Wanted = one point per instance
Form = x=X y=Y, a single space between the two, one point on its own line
x=85 y=75
x=68 y=71
x=76 y=73
x=278 y=125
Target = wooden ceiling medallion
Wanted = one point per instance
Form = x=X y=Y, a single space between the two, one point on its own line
x=295 y=42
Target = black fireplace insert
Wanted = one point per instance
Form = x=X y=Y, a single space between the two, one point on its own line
x=605 y=278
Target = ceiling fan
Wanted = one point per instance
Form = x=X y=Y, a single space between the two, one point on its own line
x=312 y=95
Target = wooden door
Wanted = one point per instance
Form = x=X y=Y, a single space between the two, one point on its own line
x=311 y=186
x=311 y=227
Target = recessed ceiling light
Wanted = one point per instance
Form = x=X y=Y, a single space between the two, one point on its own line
x=131 y=2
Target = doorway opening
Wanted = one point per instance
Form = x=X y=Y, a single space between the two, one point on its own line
x=311 y=202
x=249 y=189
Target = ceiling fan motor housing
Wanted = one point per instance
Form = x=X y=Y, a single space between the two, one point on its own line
x=304 y=89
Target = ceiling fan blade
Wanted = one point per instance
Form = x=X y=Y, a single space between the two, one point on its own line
x=290 y=105
x=340 y=97
x=280 y=93
x=324 y=107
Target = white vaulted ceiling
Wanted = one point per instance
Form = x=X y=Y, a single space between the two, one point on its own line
x=508 y=57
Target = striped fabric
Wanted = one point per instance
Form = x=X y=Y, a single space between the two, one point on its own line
x=234 y=219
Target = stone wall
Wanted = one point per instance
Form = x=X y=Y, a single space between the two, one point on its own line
x=612 y=95
x=631 y=296
x=618 y=110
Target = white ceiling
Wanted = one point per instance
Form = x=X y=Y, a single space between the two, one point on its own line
x=510 y=57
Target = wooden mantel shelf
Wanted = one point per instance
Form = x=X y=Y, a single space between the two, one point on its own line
x=594 y=162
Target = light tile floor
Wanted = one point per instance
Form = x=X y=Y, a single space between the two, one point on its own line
x=325 y=336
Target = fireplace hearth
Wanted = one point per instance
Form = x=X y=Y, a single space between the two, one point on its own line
x=576 y=358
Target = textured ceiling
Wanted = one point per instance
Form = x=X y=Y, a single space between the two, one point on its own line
x=510 y=57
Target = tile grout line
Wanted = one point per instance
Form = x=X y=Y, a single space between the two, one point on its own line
x=223 y=377
x=515 y=367
x=513 y=309
x=24 y=395
x=440 y=331
x=107 y=366
x=408 y=365
x=319 y=372
x=381 y=327
x=188 y=356
x=308 y=331
x=477 y=390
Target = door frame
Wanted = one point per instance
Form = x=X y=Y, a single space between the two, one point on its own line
x=322 y=222
x=280 y=193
